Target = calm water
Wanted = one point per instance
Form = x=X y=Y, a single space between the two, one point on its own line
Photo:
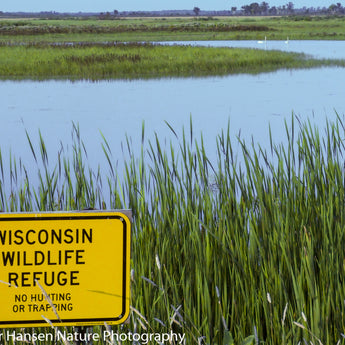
x=317 y=49
x=116 y=108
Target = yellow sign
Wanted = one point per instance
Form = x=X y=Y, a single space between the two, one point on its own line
x=68 y=268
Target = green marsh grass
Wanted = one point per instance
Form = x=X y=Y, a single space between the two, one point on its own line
x=247 y=248
x=174 y=29
x=141 y=60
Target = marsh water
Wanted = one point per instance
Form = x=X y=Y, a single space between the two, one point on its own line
x=250 y=103
x=316 y=48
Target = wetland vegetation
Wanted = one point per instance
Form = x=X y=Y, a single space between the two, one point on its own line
x=250 y=247
x=128 y=61
x=173 y=29
x=91 y=49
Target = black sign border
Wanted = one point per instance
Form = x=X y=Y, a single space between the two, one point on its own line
x=68 y=216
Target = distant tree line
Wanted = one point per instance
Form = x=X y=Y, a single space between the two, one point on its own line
x=263 y=9
x=253 y=9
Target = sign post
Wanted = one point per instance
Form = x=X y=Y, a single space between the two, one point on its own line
x=71 y=268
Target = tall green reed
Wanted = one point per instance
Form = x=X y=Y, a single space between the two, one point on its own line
x=245 y=247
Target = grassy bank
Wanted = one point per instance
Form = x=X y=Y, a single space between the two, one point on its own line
x=167 y=29
x=41 y=49
x=127 y=61
x=246 y=247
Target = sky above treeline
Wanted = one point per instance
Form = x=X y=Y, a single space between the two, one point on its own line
x=140 y=5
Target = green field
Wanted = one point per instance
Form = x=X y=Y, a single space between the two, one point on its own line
x=161 y=29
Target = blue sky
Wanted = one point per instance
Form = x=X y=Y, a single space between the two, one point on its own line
x=132 y=5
